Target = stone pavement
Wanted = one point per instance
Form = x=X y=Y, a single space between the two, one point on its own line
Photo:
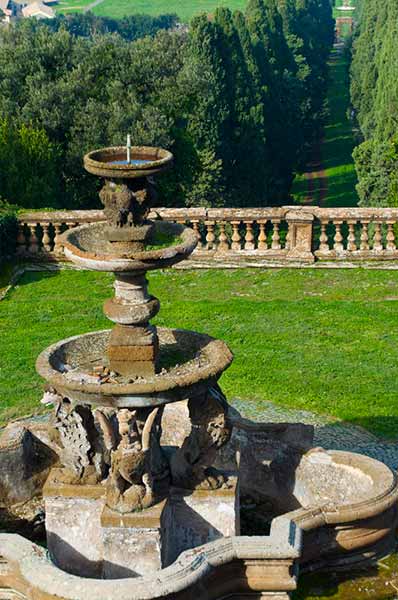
x=330 y=434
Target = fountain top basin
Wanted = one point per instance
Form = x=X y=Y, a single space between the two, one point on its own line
x=111 y=162
x=88 y=247
x=189 y=363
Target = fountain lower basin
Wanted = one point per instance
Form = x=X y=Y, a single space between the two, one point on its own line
x=191 y=362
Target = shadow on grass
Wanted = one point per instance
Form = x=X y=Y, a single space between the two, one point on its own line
x=30 y=277
x=385 y=427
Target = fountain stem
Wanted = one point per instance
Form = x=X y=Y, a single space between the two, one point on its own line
x=128 y=147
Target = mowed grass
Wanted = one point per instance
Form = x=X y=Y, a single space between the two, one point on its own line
x=337 y=145
x=339 y=141
x=70 y=6
x=321 y=340
x=185 y=10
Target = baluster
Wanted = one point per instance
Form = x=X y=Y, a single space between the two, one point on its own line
x=236 y=241
x=390 y=237
x=223 y=245
x=210 y=236
x=46 y=239
x=57 y=245
x=323 y=238
x=338 y=238
x=364 y=245
x=276 y=245
x=33 y=241
x=195 y=227
x=288 y=241
x=351 y=242
x=249 y=237
x=377 y=245
x=21 y=239
x=262 y=236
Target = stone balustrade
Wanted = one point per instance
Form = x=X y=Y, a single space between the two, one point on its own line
x=235 y=237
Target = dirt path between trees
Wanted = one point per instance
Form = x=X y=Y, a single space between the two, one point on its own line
x=317 y=182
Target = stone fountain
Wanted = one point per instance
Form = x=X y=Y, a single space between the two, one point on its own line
x=144 y=471
x=110 y=389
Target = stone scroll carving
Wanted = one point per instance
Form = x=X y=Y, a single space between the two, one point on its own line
x=118 y=447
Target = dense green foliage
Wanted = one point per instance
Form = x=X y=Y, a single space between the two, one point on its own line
x=129 y=28
x=28 y=165
x=311 y=339
x=237 y=98
x=374 y=93
x=8 y=230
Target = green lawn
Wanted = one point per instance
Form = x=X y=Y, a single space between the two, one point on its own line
x=322 y=340
x=339 y=142
x=68 y=6
x=185 y=10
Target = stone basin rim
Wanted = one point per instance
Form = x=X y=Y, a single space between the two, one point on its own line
x=95 y=163
x=215 y=351
x=134 y=261
x=385 y=486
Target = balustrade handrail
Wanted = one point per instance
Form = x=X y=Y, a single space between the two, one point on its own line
x=280 y=235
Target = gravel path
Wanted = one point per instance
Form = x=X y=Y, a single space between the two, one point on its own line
x=329 y=433
x=92 y=5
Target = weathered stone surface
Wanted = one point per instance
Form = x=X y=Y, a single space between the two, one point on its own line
x=132 y=543
x=301 y=248
x=191 y=465
x=192 y=519
x=73 y=525
x=24 y=465
x=229 y=566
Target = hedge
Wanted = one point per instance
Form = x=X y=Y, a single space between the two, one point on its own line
x=8 y=231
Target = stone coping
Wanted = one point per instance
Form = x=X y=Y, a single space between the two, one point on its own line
x=203 y=214
x=29 y=565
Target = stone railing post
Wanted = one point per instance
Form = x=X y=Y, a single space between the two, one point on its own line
x=300 y=226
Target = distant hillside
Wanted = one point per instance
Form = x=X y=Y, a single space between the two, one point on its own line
x=121 y=8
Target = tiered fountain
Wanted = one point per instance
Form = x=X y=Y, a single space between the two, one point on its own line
x=110 y=388
x=125 y=470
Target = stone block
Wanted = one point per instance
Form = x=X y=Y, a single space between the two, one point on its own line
x=194 y=518
x=131 y=353
x=86 y=538
x=132 y=543
x=73 y=524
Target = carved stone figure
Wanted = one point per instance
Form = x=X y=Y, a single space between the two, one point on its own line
x=138 y=467
x=126 y=204
x=192 y=464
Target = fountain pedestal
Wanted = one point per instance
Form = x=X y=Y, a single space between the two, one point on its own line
x=85 y=537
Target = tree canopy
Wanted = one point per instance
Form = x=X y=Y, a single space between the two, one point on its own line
x=374 y=93
x=237 y=98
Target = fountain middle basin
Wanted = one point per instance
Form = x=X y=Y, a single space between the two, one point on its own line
x=191 y=363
